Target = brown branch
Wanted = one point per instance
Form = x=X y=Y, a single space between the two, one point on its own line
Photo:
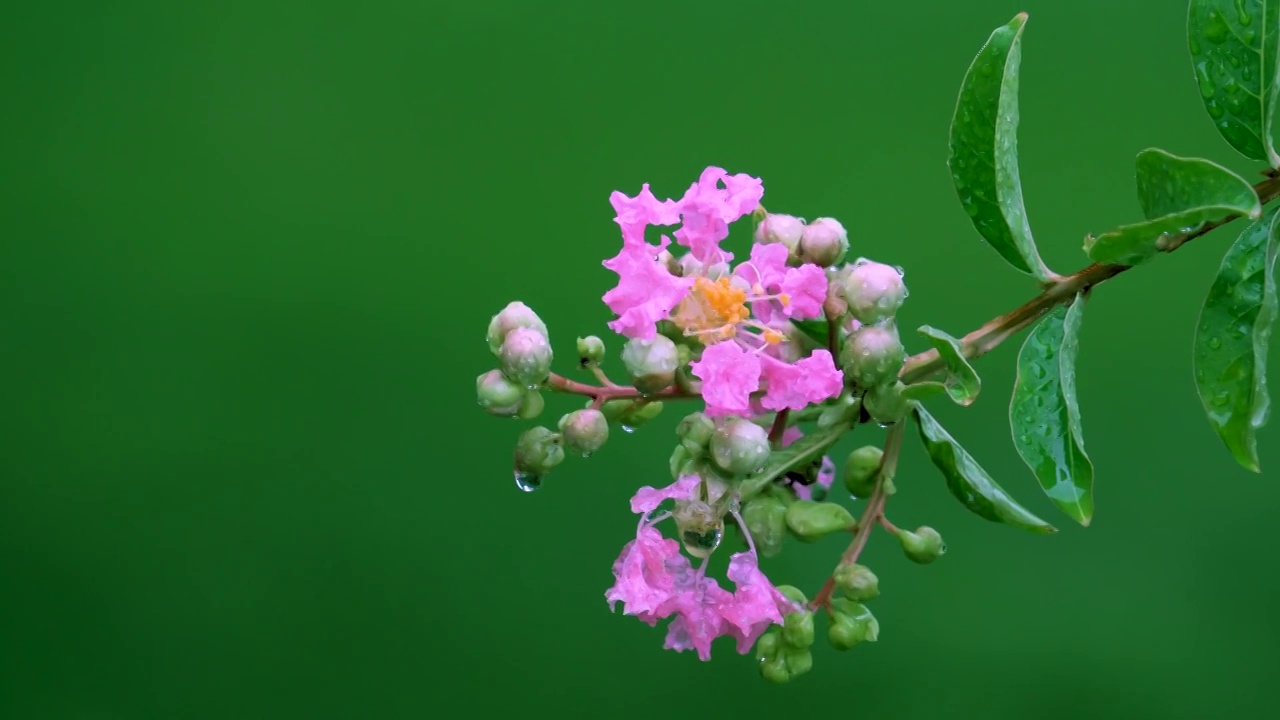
x=1061 y=290
x=560 y=383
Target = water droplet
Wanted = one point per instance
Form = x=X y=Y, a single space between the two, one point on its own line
x=1242 y=13
x=528 y=481
x=1221 y=399
x=586 y=455
x=702 y=544
x=1204 y=81
x=627 y=428
x=1215 y=343
x=1215 y=28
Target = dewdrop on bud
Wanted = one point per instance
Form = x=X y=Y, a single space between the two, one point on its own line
x=886 y=404
x=700 y=528
x=857 y=582
x=861 y=469
x=498 y=395
x=784 y=230
x=590 y=350
x=651 y=363
x=923 y=546
x=526 y=356
x=874 y=291
x=873 y=354
x=584 y=431
x=740 y=446
x=824 y=242
x=538 y=450
x=514 y=315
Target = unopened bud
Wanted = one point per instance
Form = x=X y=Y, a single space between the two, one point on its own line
x=845 y=409
x=797 y=629
x=700 y=527
x=810 y=520
x=886 y=404
x=498 y=395
x=782 y=229
x=590 y=350
x=766 y=519
x=834 y=305
x=531 y=405
x=695 y=431
x=740 y=446
x=874 y=291
x=873 y=354
x=584 y=431
x=526 y=356
x=857 y=581
x=824 y=242
x=537 y=451
x=851 y=624
x=861 y=469
x=514 y=315
x=630 y=414
x=651 y=363
x=923 y=546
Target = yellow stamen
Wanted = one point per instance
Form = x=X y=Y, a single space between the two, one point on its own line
x=785 y=299
x=773 y=337
x=712 y=309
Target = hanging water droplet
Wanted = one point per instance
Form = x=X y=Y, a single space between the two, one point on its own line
x=528 y=481
x=1215 y=343
x=702 y=544
x=627 y=428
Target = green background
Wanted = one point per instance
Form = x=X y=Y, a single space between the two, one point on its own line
x=249 y=253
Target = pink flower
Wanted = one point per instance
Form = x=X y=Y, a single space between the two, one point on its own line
x=643 y=580
x=795 y=386
x=729 y=375
x=634 y=215
x=707 y=209
x=697 y=617
x=756 y=605
x=647 y=499
x=806 y=289
x=646 y=290
x=796 y=292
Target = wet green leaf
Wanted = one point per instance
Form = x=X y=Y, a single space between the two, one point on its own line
x=815 y=330
x=1045 y=417
x=792 y=457
x=984 y=150
x=1235 y=52
x=1232 y=335
x=1178 y=196
x=969 y=483
x=962 y=382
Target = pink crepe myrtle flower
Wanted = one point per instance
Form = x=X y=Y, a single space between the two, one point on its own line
x=654 y=581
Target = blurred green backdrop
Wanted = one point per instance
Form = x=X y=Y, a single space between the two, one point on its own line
x=249 y=252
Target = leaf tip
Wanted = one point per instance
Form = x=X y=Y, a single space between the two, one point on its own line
x=1085 y=520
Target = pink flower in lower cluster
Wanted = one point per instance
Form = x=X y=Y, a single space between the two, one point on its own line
x=653 y=581
x=826 y=473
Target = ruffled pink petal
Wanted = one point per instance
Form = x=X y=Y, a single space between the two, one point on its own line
x=647 y=499
x=756 y=605
x=707 y=209
x=646 y=291
x=729 y=375
x=636 y=214
x=806 y=290
x=795 y=386
x=643 y=573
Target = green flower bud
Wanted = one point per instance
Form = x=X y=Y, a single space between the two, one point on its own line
x=695 y=431
x=780 y=663
x=701 y=528
x=584 y=431
x=525 y=356
x=782 y=229
x=498 y=395
x=857 y=582
x=682 y=462
x=740 y=446
x=514 y=315
x=799 y=661
x=590 y=350
x=874 y=291
x=861 y=469
x=531 y=405
x=767 y=645
x=797 y=629
x=538 y=450
x=824 y=242
x=766 y=519
x=810 y=520
x=793 y=593
x=923 y=546
x=851 y=624
x=873 y=354
x=886 y=403
x=630 y=414
x=845 y=409
x=651 y=363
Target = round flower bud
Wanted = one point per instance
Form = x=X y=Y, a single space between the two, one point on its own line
x=861 y=469
x=766 y=519
x=531 y=405
x=799 y=661
x=783 y=229
x=834 y=305
x=590 y=350
x=740 y=446
x=538 y=450
x=810 y=520
x=797 y=629
x=498 y=395
x=526 y=356
x=873 y=355
x=923 y=546
x=874 y=291
x=514 y=315
x=886 y=403
x=700 y=527
x=630 y=414
x=584 y=431
x=857 y=581
x=824 y=242
x=695 y=431
x=651 y=363
x=851 y=624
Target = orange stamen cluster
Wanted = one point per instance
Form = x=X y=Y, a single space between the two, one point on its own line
x=712 y=310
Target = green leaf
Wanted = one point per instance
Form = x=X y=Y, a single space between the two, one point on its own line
x=971 y=485
x=924 y=390
x=962 y=382
x=1234 y=49
x=1231 y=339
x=1045 y=417
x=1178 y=196
x=984 y=150
x=816 y=330
x=792 y=457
